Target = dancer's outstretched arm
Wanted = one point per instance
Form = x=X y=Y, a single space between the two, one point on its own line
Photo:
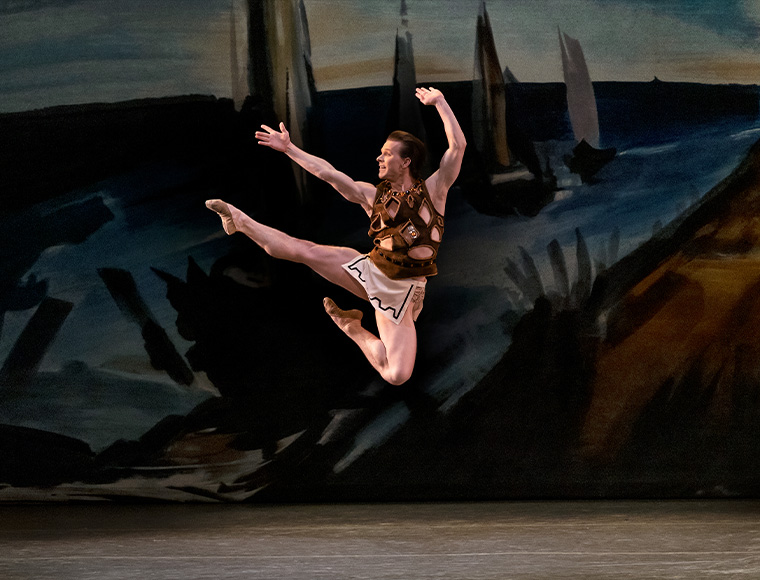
x=354 y=191
x=439 y=183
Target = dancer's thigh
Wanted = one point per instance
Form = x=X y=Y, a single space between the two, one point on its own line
x=400 y=341
x=327 y=261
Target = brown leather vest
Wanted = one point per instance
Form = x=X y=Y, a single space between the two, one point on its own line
x=401 y=222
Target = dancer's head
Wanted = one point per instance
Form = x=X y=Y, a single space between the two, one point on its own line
x=411 y=151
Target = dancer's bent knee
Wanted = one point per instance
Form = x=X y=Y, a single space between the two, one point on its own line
x=397 y=376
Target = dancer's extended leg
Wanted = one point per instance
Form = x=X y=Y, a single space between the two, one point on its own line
x=393 y=354
x=327 y=261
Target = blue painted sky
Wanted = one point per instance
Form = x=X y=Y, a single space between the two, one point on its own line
x=78 y=51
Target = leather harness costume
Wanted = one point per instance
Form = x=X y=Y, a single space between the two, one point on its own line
x=398 y=225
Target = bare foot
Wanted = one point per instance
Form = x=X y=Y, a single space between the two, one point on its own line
x=343 y=318
x=225 y=212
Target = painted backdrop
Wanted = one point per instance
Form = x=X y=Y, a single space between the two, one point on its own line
x=593 y=330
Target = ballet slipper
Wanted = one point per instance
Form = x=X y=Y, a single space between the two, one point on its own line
x=224 y=212
x=342 y=318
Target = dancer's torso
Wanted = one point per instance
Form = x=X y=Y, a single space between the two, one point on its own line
x=406 y=231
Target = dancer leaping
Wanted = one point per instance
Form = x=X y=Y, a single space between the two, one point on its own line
x=406 y=226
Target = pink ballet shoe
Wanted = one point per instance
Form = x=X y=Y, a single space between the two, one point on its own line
x=341 y=317
x=223 y=210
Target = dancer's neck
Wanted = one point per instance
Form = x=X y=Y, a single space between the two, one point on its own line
x=404 y=184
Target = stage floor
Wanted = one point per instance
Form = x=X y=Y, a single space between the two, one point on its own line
x=537 y=540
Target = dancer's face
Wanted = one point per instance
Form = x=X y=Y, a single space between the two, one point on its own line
x=391 y=164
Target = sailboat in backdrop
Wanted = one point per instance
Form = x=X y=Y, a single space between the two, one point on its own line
x=405 y=112
x=280 y=75
x=587 y=158
x=508 y=178
x=238 y=58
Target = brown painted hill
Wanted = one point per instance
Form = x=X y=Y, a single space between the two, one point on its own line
x=682 y=313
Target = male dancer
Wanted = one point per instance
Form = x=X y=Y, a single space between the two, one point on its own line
x=406 y=225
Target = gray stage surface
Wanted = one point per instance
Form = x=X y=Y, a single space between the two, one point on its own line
x=546 y=540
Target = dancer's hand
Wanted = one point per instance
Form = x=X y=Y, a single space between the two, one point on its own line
x=277 y=140
x=429 y=96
